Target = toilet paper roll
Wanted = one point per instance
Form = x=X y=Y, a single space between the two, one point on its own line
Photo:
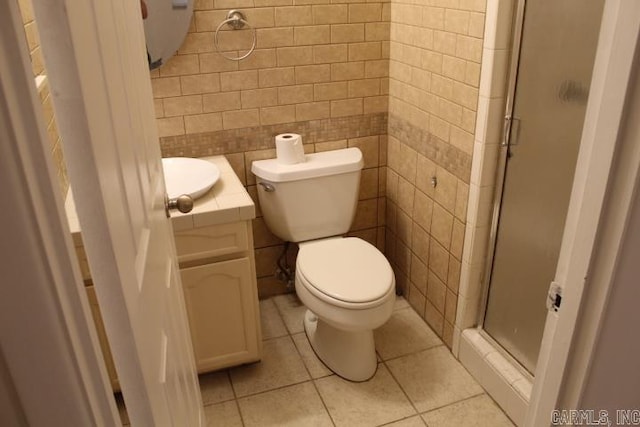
x=289 y=149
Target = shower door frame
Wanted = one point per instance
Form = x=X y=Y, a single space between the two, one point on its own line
x=514 y=61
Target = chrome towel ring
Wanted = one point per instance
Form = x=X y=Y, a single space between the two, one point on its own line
x=236 y=20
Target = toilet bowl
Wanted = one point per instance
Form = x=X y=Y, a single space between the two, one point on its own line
x=346 y=283
x=348 y=288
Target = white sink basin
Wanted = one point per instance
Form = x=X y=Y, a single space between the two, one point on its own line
x=193 y=177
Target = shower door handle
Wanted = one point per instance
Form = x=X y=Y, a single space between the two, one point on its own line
x=506 y=130
x=510 y=130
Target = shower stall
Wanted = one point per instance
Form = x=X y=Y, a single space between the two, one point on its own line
x=536 y=74
x=554 y=47
x=553 y=50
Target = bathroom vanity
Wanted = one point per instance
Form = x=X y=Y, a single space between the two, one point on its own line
x=214 y=243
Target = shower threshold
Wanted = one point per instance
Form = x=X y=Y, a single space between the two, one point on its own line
x=500 y=375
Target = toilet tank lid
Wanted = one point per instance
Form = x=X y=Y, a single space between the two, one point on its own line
x=316 y=165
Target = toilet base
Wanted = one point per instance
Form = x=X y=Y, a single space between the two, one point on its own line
x=351 y=355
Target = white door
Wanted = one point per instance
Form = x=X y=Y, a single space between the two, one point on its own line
x=97 y=66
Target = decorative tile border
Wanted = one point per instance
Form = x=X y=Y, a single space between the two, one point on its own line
x=440 y=152
x=262 y=137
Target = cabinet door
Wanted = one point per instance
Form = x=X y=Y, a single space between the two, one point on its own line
x=222 y=310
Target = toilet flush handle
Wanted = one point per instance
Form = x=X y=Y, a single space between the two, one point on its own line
x=269 y=188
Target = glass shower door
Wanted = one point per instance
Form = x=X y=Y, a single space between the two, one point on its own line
x=557 y=51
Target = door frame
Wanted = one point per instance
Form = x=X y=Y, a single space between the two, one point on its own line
x=613 y=254
x=46 y=328
x=606 y=109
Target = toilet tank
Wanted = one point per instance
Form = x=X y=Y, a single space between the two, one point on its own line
x=310 y=200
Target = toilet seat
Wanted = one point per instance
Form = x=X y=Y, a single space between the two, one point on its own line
x=348 y=271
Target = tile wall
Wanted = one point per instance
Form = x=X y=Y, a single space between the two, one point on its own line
x=486 y=151
x=435 y=57
x=314 y=59
x=320 y=68
x=400 y=78
x=498 y=375
x=37 y=64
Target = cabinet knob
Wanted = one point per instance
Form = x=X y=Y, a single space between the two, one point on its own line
x=183 y=203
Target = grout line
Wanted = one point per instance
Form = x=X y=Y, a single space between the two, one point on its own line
x=273 y=389
x=226 y=371
x=233 y=389
x=233 y=399
x=275 y=338
x=289 y=386
x=401 y=388
x=324 y=404
x=281 y=313
x=402 y=419
x=315 y=354
x=301 y=358
x=313 y=380
x=432 y=409
x=456 y=402
x=239 y=412
x=499 y=407
x=415 y=352
x=219 y=401
x=235 y=396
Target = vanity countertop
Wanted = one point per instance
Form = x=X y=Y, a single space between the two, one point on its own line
x=228 y=201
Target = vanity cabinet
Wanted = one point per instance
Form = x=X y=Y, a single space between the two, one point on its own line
x=217 y=266
x=214 y=243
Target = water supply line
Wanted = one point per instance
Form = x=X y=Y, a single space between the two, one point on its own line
x=283 y=271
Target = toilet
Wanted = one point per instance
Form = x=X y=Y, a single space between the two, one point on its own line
x=346 y=283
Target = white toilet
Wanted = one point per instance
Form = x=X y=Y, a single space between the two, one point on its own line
x=346 y=283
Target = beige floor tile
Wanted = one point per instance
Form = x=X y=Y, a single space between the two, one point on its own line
x=297 y=405
x=400 y=303
x=408 y=422
x=403 y=334
x=223 y=415
x=292 y=311
x=281 y=365
x=270 y=320
x=316 y=368
x=370 y=403
x=478 y=411
x=215 y=387
x=433 y=378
